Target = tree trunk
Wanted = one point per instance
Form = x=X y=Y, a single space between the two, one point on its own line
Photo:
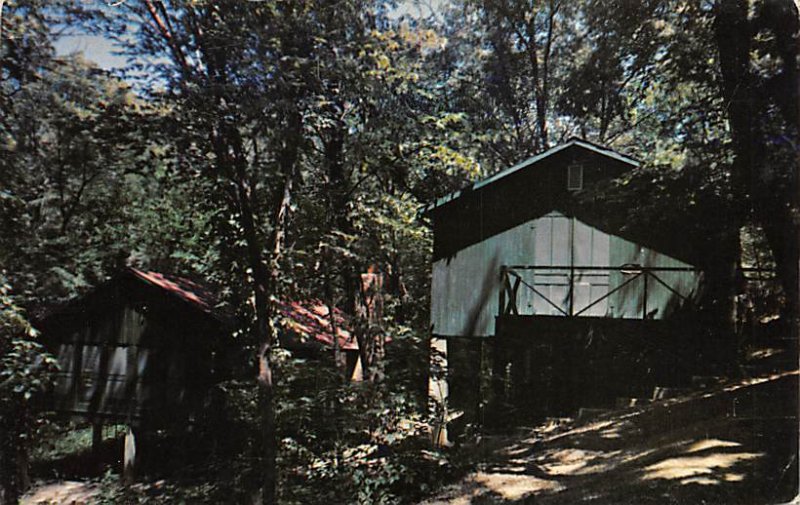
x=267 y=284
x=263 y=335
x=9 y=494
x=340 y=220
x=733 y=42
x=339 y=202
x=772 y=205
x=777 y=208
x=338 y=357
x=370 y=315
x=232 y=161
x=781 y=230
x=11 y=486
x=719 y=300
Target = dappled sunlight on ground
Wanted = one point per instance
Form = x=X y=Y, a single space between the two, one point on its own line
x=61 y=493
x=708 y=481
x=637 y=455
x=617 y=430
x=691 y=466
x=711 y=444
x=577 y=462
x=514 y=486
x=693 y=449
x=764 y=353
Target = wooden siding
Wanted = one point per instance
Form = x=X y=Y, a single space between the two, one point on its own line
x=120 y=364
x=466 y=285
x=132 y=352
x=661 y=301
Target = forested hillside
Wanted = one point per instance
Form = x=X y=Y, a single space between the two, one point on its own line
x=279 y=149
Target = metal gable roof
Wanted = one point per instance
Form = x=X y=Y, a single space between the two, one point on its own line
x=187 y=290
x=193 y=294
x=311 y=320
x=574 y=141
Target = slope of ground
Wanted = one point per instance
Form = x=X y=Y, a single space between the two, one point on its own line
x=733 y=444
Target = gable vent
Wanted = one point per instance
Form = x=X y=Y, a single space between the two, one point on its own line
x=575 y=176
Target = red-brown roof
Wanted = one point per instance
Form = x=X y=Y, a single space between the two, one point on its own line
x=184 y=288
x=311 y=319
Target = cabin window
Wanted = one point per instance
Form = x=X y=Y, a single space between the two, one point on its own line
x=575 y=177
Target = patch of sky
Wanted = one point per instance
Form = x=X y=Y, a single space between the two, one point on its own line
x=109 y=55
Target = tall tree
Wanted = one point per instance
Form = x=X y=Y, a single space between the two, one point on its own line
x=531 y=74
x=234 y=74
x=758 y=60
x=75 y=143
x=27 y=370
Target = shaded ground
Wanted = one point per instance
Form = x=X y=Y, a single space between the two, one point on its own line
x=67 y=471
x=734 y=444
x=81 y=463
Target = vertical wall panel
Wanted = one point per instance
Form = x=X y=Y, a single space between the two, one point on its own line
x=543 y=231
x=466 y=286
x=561 y=240
x=552 y=239
x=583 y=248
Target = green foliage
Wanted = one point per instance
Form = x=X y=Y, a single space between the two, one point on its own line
x=55 y=441
x=357 y=442
x=26 y=368
x=26 y=371
x=340 y=442
x=392 y=113
x=77 y=169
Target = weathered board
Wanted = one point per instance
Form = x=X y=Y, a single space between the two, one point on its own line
x=132 y=351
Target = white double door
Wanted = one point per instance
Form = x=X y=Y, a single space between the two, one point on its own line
x=563 y=247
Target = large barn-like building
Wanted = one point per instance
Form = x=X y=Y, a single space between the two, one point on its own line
x=529 y=278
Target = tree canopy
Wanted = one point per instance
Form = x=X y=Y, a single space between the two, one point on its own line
x=282 y=148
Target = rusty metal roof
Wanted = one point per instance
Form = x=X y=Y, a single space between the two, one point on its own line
x=310 y=320
x=198 y=295
x=307 y=320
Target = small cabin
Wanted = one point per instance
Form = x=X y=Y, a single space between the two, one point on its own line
x=523 y=264
x=309 y=328
x=143 y=348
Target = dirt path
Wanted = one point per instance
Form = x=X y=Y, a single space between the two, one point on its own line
x=733 y=445
x=68 y=492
